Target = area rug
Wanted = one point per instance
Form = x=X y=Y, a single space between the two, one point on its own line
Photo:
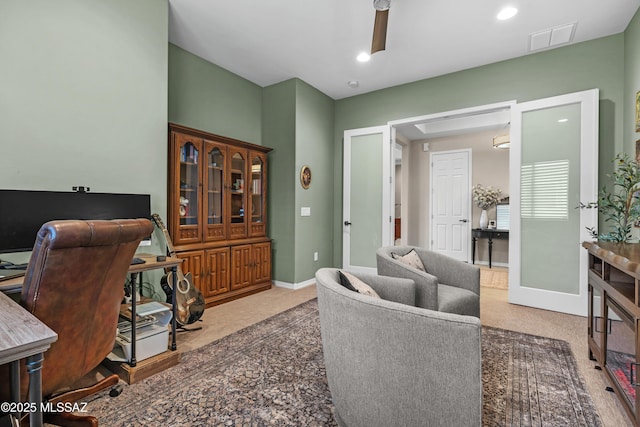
x=272 y=374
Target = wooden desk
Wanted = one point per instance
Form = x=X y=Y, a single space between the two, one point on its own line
x=11 y=286
x=489 y=234
x=23 y=336
x=14 y=285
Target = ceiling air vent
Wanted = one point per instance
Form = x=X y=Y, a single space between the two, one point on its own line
x=553 y=37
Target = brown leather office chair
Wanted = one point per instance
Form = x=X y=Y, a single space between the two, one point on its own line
x=74 y=283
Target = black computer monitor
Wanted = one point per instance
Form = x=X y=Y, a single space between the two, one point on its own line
x=22 y=212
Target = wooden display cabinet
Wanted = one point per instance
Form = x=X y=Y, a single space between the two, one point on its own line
x=217 y=206
x=614 y=318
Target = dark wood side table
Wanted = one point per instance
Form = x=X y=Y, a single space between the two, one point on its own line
x=489 y=234
x=23 y=336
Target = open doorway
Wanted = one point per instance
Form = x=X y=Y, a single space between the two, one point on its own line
x=472 y=130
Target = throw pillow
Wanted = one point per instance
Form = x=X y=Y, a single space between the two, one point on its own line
x=352 y=283
x=412 y=259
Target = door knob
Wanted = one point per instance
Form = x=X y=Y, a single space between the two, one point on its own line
x=347 y=223
x=464 y=220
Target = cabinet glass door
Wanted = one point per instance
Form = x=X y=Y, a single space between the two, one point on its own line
x=256 y=191
x=189 y=199
x=238 y=225
x=621 y=352
x=215 y=192
x=596 y=320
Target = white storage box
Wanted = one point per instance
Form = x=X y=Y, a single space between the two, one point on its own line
x=152 y=336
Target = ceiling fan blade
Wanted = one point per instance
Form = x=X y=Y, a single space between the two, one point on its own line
x=380 y=31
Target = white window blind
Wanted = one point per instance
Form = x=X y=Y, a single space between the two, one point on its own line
x=545 y=190
x=502 y=217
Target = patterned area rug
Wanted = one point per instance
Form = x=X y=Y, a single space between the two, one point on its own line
x=272 y=374
x=529 y=380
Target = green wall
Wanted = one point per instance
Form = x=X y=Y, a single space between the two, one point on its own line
x=206 y=97
x=279 y=133
x=298 y=125
x=83 y=96
x=595 y=64
x=293 y=119
x=631 y=83
x=314 y=148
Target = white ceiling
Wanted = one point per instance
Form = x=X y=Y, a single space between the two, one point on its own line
x=271 y=41
x=496 y=120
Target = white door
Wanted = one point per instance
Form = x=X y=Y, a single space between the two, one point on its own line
x=367 y=213
x=451 y=203
x=554 y=160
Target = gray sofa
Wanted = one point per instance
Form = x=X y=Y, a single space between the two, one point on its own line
x=390 y=363
x=447 y=285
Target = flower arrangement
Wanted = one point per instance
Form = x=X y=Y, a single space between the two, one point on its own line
x=485 y=197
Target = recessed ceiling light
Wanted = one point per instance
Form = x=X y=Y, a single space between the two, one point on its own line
x=363 y=57
x=507 y=13
x=353 y=83
x=563 y=120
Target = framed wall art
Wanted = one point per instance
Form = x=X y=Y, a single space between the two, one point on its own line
x=638 y=111
x=305 y=177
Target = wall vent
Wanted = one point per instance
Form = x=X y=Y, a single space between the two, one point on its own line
x=552 y=37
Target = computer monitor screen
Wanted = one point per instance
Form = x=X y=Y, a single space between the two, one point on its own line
x=22 y=212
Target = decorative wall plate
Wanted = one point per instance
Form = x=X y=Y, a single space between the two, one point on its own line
x=305 y=177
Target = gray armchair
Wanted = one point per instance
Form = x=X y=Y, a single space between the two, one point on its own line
x=447 y=285
x=389 y=363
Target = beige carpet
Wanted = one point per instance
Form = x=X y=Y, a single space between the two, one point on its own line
x=494 y=277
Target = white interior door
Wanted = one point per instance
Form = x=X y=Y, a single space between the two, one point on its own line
x=450 y=179
x=554 y=160
x=367 y=203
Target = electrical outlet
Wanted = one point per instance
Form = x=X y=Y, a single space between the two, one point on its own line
x=315 y=256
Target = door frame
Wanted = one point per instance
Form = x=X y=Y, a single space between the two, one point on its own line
x=469 y=152
x=589 y=113
x=404 y=189
x=387 y=191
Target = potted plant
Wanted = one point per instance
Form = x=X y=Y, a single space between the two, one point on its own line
x=620 y=207
x=484 y=198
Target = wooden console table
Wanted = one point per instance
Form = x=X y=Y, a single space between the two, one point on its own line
x=489 y=234
x=23 y=336
x=614 y=318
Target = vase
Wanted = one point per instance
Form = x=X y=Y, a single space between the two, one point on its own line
x=484 y=219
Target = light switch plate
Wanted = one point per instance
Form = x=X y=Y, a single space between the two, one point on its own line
x=305 y=211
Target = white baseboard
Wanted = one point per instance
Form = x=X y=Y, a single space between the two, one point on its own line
x=493 y=264
x=294 y=286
